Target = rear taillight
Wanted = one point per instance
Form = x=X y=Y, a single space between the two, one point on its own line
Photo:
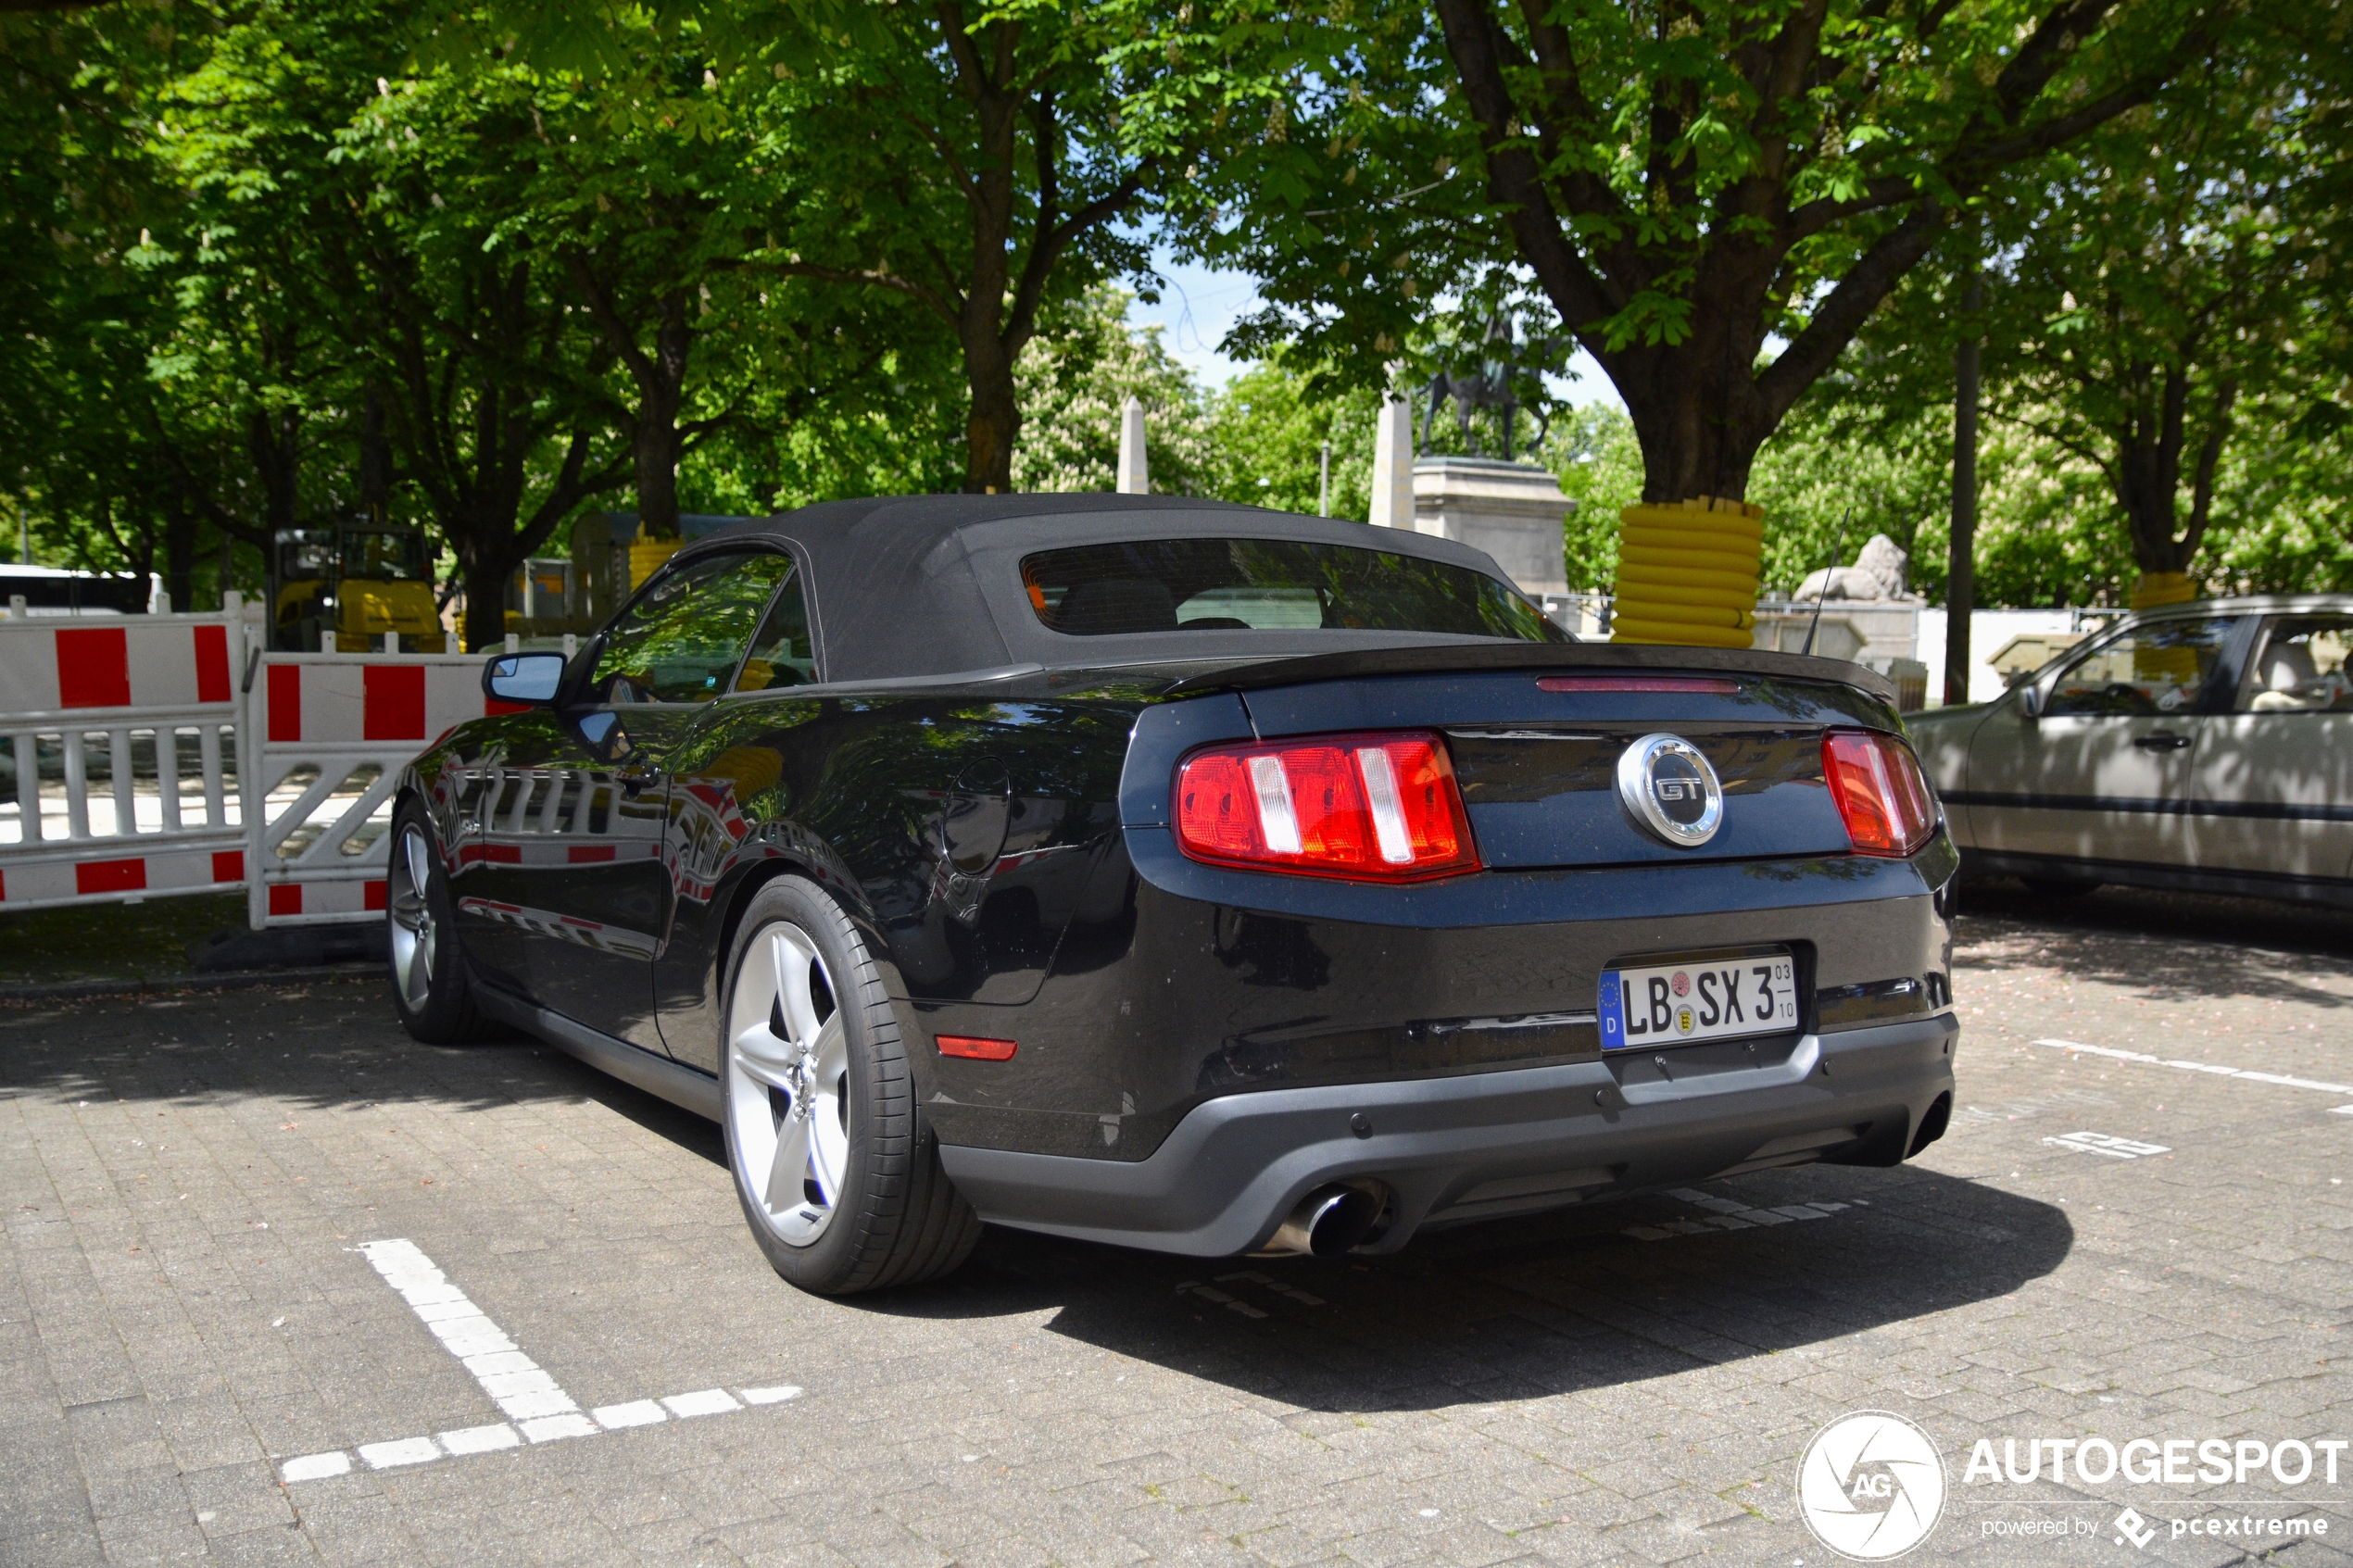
x=1880 y=792
x=1379 y=807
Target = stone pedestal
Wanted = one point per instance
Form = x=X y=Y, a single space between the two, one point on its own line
x=1514 y=511
x=1882 y=634
x=1392 y=465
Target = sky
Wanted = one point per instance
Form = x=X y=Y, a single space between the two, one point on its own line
x=1197 y=307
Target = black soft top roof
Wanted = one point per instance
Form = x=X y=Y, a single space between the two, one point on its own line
x=930 y=586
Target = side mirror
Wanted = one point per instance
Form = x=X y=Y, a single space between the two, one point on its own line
x=532 y=679
x=601 y=733
x=2030 y=701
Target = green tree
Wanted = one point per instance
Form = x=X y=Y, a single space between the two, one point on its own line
x=1827 y=485
x=2177 y=271
x=256 y=391
x=656 y=193
x=974 y=160
x=80 y=307
x=2168 y=277
x=1074 y=382
x=1684 y=182
x=1592 y=451
x=1269 y=427
x=465 y=312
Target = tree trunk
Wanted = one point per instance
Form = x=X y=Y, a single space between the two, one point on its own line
x=274 y=442
x=1960 y=581
x=375 y=456
x=2148 y=466
x=663 y=394
x=1698 y=435
x=656 y=441
x=486 y=603
x=1696 y=408
x=180 y=556
x=995 y=419
x=654 y=447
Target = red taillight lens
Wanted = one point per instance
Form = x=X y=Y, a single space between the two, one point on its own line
x=1382 y=807
x=1880 y=792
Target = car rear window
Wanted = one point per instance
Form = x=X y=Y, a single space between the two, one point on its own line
x=1269 y=584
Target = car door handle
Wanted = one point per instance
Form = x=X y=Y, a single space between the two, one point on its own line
x=2161 y=740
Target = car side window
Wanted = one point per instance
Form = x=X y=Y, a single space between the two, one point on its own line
x=2160 y=667
x=2300 y=667
x=680 y=640
x=782 y=654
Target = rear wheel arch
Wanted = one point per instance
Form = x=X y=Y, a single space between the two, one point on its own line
x=738 y=901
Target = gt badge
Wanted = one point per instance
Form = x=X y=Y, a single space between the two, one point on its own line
x=1670 y=791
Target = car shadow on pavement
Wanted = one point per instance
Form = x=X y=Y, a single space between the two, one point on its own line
x=321 y=1044
x=1828 y=1263
x=2202 y=943
x=1546 y=1305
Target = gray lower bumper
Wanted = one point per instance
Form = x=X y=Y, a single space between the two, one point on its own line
x=1478 y=1147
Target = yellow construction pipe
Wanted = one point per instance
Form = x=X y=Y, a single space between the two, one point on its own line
x=1688 y=573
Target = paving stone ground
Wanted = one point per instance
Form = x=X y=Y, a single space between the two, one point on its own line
x=185 y=1181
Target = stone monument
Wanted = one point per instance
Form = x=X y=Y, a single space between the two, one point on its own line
x=1512 y=511
x=1867 y=617
x=1134 y=477
x=1392 y=464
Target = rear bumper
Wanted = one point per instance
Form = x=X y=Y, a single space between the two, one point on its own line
x=1476 y=1146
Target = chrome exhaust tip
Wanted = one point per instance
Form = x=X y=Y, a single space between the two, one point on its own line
x=1327 y=1223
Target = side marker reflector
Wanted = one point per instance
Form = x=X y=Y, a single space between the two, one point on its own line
x=975 y=1047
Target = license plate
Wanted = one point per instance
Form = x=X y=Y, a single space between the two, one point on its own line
x=1677 y=1003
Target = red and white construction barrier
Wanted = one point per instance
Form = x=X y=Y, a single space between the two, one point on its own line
x=330 y=732
x=118 y=737
x=52 y=666
x=150 y=755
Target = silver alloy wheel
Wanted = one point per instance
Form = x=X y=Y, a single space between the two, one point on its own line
x=788 y=1083
x=415 y=937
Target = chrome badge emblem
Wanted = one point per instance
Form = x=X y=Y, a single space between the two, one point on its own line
x=1670 y=791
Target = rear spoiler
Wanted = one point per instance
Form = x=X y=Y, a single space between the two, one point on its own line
x=1426 y=660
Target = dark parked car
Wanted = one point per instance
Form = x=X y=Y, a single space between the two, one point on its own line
x=1181 y=875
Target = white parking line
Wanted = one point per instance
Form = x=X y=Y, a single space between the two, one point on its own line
x=512 y=1379
x=1730 y=1214
x=2114 y=1148
x=540 y=1411
x=2148 y=1060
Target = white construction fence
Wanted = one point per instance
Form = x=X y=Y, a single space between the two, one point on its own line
x=143 y=756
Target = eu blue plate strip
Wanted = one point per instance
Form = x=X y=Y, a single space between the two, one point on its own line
x=1613 y=1011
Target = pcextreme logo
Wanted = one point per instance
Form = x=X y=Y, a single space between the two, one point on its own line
x=1870 y=1485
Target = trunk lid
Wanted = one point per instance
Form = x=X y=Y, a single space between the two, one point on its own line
x=1536 y=735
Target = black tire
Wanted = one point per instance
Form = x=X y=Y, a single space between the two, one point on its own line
x=894 y=1218
x=434 y=998
x=2058 y=886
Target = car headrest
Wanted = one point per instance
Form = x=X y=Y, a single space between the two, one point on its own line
x=1106 y=605
x=2287 y=666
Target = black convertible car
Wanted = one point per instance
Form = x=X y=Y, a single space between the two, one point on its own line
x=1181 y=875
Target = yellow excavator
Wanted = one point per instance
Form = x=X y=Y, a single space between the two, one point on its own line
x=357 y=580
